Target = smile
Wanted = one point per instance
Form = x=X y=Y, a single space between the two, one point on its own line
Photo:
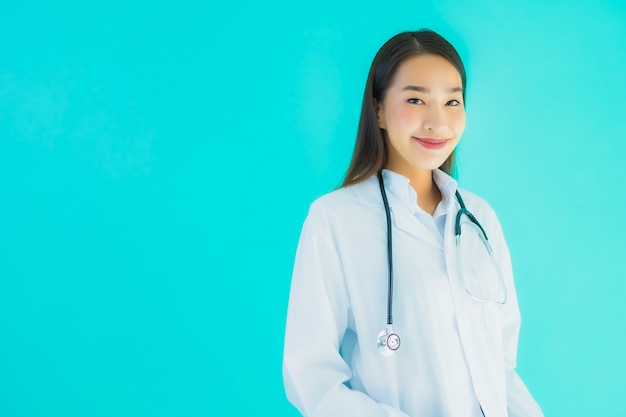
x=429 y=143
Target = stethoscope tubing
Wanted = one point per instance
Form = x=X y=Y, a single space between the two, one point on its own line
x=457 y=231
x=389 y=250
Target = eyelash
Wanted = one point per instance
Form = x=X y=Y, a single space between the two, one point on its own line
x=453 y=103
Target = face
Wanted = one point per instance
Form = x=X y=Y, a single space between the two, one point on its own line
x=422 y=114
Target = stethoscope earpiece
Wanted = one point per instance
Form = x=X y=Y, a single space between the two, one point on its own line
x=388 y=341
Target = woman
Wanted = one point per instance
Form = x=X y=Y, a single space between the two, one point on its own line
x=449 y=332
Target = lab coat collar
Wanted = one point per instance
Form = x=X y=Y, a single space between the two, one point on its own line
x=400 y=187
x=368 y=193
x=403 y=200
x=448 y=186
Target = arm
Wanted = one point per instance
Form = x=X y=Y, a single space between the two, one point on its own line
x=314 y=372
x=520 y=402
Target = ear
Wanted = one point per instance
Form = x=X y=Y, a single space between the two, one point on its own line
x=379 y=114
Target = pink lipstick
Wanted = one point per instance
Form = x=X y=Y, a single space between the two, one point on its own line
x=429 y=143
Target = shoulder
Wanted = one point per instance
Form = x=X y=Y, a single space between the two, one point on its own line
x=474 y=201
x=482 y=210
x=346 y=205
x=357 y=196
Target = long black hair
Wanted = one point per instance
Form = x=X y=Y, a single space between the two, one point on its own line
x=370 y=154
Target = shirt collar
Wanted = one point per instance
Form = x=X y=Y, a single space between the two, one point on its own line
x=399 y=186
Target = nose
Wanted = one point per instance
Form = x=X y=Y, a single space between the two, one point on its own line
x=435 y=120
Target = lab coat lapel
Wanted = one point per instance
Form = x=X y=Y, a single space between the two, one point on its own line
x=406 y=221
x=368 y=193
x=462 y=302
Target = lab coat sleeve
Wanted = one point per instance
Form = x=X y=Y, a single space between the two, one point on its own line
x=314 y=372
x=520 y=402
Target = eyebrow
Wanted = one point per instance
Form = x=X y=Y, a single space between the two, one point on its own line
x=426 y=90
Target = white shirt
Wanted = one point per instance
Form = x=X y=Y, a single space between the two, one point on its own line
x=457 y=354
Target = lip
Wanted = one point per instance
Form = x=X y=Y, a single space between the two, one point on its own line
x=430 y=143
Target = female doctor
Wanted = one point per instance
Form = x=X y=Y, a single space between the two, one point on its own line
x=402 y=299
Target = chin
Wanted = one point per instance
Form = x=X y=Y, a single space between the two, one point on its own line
x=429 y=165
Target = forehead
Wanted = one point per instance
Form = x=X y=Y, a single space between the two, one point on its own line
x=427 y=70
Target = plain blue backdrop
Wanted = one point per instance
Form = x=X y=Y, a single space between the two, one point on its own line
x=157 y=160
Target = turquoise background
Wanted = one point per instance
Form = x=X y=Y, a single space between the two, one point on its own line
x=157 y=160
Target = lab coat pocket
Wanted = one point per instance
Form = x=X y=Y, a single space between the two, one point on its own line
x=483 y=282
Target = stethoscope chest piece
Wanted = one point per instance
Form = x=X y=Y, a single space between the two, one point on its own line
x=388 y=341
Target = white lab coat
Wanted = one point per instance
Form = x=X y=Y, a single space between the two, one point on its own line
x=456 y=352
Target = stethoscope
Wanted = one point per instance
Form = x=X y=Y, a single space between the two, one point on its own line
x=388 y=339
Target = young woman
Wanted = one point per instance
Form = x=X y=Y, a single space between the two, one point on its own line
x=402 y=300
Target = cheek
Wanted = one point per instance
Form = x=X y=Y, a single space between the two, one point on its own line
x=458 y=123
x=402 y=117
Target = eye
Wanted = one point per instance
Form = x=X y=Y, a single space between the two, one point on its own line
x=453 y=103
x=415 y=101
